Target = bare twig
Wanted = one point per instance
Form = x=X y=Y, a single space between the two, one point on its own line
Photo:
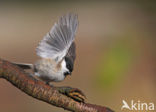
x=43 y=92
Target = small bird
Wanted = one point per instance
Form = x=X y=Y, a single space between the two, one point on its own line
x=57 y=51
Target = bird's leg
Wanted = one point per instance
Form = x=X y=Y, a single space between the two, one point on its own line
x=74 y=93
x=38 y=79
x=35 y=77
x=49 y=83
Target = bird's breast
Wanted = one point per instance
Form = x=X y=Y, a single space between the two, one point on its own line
x=49 y=69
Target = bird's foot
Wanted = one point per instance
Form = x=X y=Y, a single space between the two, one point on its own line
x=74 y=93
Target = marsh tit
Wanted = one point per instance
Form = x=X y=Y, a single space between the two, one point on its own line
x=57 y=51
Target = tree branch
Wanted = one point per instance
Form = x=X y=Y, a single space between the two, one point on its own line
x=43 y=92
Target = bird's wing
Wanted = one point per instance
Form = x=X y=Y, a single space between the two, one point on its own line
x=57 y=42
x=71 y=54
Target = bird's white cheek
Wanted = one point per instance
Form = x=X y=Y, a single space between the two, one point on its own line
x=64 y=68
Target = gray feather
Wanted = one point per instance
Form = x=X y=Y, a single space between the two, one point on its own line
x=24 y=65
x=56 y=43
x=71 y=52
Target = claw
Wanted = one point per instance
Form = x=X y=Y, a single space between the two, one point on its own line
x=77 y=96
x=74 y=93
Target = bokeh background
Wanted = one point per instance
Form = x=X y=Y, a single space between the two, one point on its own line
x=116 y=50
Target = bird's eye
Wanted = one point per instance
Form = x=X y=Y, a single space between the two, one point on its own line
x=70 y=67
x=69 y=64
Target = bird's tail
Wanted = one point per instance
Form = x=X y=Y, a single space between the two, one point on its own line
x=24 y=65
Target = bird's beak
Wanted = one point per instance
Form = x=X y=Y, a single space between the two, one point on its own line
x=67 y=73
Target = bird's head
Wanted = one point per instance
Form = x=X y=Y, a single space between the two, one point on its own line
x=68 y=65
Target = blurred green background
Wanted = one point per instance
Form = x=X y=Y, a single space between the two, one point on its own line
x=116 y=50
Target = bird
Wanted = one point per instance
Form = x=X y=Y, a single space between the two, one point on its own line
x=56 y=51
